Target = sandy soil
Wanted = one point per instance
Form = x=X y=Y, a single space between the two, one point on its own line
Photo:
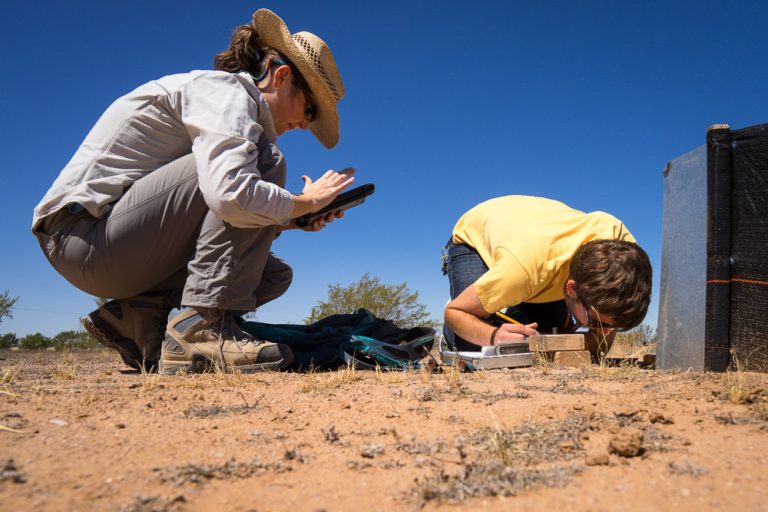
x=80 y=432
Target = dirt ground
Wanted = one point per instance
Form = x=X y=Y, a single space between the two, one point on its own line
x=78 y=431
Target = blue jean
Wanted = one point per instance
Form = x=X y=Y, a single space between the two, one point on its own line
x=463 y=266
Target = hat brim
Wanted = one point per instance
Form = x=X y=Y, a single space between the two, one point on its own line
x=274 y=33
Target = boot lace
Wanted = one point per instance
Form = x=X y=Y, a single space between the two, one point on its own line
x=227 y=329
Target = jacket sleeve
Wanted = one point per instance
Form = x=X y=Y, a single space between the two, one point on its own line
x=222 y=119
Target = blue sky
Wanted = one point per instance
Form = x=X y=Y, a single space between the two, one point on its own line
x=447 y=105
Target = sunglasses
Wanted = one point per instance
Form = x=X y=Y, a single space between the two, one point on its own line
x=310 y=112
x=595 y=323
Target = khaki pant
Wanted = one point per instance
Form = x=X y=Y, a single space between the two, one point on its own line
x=160 y=236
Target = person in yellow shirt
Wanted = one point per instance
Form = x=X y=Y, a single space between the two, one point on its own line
x=549 y=267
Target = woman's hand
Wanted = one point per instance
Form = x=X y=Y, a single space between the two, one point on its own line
x=511 y=333
x=318 y=194
x=315 y=226
x=323 y=221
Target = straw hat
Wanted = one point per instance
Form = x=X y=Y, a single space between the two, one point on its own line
x=314 y=60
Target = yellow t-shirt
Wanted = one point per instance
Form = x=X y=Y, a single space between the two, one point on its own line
x=527 y=244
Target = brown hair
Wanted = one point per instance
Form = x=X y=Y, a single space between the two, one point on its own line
x=246 y=52
x=614 y=277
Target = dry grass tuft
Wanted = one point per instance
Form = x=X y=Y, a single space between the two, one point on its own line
x=202 y=473
x=318 y=381
x=8 y=376
x=453 y=376
x=501 y=447
x=66 y=369
x=512 y=466
x=228 y=376
x=149 y=381
x=742 y=387
x=390 y=375
x=212 y=411
x=531 y=444
x=489 y=479
x=425 y=373
x=632 y=345
x=541 y=362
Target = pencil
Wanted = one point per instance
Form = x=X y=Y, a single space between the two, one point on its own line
x=508 y=319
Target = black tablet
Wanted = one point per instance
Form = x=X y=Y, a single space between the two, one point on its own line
x=343 y=201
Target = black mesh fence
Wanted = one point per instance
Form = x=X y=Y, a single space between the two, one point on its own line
x=737 y=249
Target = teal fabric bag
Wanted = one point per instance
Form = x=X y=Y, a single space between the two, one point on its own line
x=358 y=338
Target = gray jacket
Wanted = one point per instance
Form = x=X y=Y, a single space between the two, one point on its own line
x=220 y=117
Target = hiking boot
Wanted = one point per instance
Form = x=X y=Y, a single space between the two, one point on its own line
x=135 y=327
x=201 y=339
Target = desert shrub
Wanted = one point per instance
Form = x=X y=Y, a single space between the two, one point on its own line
x=74 y=340
x=35 y=341
x=394 y=302
x=6 y=305
x=8 y=340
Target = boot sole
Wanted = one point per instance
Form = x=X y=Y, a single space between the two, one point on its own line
x=103 y=335
x=204 y=364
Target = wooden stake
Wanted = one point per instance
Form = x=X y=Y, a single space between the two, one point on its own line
x=554 y=342
x=573 y=358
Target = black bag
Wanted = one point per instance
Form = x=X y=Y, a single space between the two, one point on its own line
x=358 y=338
